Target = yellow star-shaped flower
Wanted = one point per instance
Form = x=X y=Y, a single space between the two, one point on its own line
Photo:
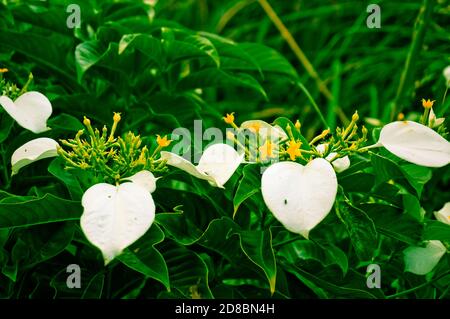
x=229 y=119
x=294 y=149
x=428 y=104
x=266 y=150
x=163 y=141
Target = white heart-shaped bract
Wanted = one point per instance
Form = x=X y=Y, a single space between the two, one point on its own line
x=145 y=179
x=422 y=260
x=216 y=165
x=300 y=197
x=415 y=143
x=32 y=151
x=340 y=164
x=31 y=110
x=266 y=131
x=114 y=217
x=443 y=214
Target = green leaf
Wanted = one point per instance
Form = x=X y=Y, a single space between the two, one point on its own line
x=65 y=122
x=143 y=257
x=324 y=288
x=257 y=245
x=57 y=169
x=6 y=123
x=412 y=206
x=47 y=209
x=361 y=229
x=249 y=185
x=436 y=230
x=303 y=250
x=188 y=273
x=212 y=77
x=145 y=43
x=87 y=54
x=94 y=288
x=269 y=60
x=390 y=221
x=44 y=50
x=180 y=45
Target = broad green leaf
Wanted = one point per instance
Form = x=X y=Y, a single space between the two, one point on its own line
x=249 y=185
x=257 y=245
x=303 y=250
x=94 y=288
x=390 y=221
x=361 y=230
x=87 y=54
x=212 y=77
x=47 y=209
x=65 y=122
x=57 y=169
x=146 y=259
x=436 y=230
x=6 y=123
x=269 y=60
x=188 y=273
x=324 y=288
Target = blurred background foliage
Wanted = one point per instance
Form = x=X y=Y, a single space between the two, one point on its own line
x=166 y=63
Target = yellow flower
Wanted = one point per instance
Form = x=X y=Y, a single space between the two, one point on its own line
x=297 y=125
x=229 y=119
x=294 y=149
x=117 y=117
x=400 y=117
x=163 y=141
x=4 y=70
x=266 y=150
x=428 y=104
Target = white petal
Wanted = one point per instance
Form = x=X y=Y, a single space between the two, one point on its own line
x=415 y=143
x=433 y=121
x=266 y=130
x=300 y=197
x=114 y=217
x=422 y=260
x=145 y=179
x=216 y=165
x=340 y=165
x=220 y=161
x=32 y=151
x=31 y=110
x=183 y=164
x=443 y=214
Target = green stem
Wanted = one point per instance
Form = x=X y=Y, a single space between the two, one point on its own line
x=418 y=37
x=316 y=107
x=417 y=287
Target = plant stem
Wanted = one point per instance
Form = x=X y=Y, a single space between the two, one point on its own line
x=301 y=56
x=418 y=37
x=316 y=107
x=417 y=287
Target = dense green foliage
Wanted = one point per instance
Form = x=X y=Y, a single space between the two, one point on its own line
x=165 y=66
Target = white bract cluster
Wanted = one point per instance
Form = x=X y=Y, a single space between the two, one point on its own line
x=299 y=196
x=114 y=216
